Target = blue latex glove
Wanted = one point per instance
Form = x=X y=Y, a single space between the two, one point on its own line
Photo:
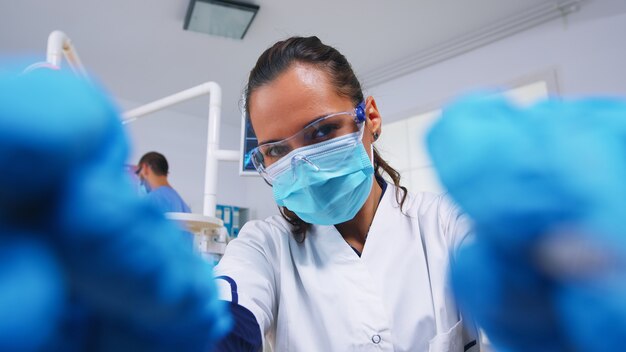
x=546 y=188
x=31 y=293
x=118 y=277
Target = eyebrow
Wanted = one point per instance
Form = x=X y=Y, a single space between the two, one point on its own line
x=311 y=122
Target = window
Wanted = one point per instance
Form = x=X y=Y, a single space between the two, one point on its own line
x=402 y=143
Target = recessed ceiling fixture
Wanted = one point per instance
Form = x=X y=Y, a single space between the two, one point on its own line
x=224 y=18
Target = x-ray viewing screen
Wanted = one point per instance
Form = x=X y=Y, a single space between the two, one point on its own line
x=248 y=142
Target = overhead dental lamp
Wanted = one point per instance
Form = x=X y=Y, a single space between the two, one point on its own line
x=223 y=18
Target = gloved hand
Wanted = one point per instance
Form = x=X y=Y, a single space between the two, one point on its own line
x=101 y=268
x=545 y=185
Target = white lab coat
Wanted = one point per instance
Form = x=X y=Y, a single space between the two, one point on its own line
x=321 y=296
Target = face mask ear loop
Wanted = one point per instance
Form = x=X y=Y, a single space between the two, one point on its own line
x=362 y=132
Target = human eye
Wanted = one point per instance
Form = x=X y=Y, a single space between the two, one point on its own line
x=322 y=131
x=275 y=151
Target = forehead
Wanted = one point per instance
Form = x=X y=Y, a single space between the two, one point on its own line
x=300 y=94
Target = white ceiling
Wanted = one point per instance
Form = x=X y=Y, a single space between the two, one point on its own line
x=140 y=51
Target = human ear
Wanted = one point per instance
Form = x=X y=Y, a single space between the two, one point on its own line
x=374 y=120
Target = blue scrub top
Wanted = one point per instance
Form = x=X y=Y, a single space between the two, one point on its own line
x=168 y=200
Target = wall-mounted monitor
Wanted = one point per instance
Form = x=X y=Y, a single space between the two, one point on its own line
x=248 y=142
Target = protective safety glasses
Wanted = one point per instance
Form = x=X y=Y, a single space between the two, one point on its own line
x=270 y=159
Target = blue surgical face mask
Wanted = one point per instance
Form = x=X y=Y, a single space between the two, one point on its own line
x=325 y=183
x=144 y=187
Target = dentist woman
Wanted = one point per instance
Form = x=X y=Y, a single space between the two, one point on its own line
x=354 y=263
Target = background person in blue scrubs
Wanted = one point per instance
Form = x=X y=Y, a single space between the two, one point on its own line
x=152 y=170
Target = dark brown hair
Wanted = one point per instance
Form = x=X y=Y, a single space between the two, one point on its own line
x=156 y=162
x=310 y=50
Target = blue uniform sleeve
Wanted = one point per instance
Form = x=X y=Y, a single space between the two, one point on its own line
x=245 y=336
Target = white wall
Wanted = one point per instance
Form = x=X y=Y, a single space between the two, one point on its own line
x=586 y=50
